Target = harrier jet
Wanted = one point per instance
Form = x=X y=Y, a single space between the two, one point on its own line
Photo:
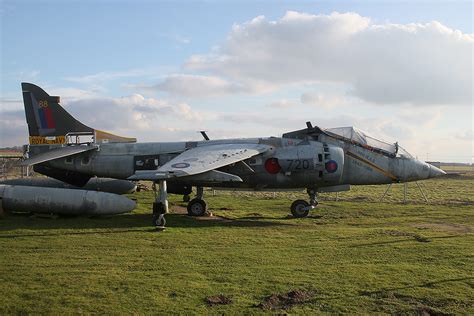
x=315 y=159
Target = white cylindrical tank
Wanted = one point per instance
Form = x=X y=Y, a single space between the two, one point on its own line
x=62 y=201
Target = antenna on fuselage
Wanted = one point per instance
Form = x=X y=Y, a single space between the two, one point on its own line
x=203 y=133
x=309 y=125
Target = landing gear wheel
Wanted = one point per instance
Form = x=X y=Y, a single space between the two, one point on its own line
x=159 y=214
x=300 y=208
x=197 y=207
x=186 y=198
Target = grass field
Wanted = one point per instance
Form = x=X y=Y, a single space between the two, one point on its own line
x=354 y=255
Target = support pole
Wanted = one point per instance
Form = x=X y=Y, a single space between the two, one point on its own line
x=405 y=189
x=421 y=191
x=385 y=193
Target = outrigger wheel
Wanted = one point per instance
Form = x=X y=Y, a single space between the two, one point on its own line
x=158 y=214
x=197 y=207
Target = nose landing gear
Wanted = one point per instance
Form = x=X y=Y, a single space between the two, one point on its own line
x=301 y=208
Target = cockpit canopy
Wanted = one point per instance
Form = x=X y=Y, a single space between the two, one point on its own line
x=356 y=136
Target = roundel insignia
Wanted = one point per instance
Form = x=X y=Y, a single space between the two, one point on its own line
x=180 y=165
x=331 y=166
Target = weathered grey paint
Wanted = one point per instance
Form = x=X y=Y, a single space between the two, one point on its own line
x=356 y=165
x=309 y=158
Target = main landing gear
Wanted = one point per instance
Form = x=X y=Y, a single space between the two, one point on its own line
x=197 y=206
x=301 y=208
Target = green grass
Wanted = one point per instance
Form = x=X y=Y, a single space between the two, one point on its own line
x=355 y=255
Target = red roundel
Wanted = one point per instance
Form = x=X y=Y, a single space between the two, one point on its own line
x=331 y=166
x=272 y=166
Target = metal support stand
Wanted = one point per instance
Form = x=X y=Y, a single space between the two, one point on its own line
x=421 y=191
x=405 y=189
x=405 y=192
x=385 y=193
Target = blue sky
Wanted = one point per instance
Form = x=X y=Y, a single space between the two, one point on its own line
x=169 y=55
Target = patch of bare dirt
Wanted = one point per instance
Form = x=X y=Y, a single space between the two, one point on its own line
x=211 y=217
x=286 y=300
x=424 y=306
x=176 y=209
x=446 y=227
x=220 y=299
x=397 y=233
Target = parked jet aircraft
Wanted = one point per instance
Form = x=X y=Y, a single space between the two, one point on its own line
x=320 y=160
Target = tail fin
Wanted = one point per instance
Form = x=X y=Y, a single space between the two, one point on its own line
x=49 y=123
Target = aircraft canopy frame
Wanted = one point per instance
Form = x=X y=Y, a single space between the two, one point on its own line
x=353 y=135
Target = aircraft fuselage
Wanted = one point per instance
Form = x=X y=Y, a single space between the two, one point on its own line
x=290 y=164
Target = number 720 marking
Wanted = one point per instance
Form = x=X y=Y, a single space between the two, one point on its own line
x=299 y=164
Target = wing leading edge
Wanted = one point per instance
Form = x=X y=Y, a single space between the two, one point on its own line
x=199 y=160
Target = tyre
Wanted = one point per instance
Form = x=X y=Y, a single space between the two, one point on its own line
x=197 y=207
x=300 y=208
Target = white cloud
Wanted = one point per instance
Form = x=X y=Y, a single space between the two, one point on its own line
x=132 y=113
x=322 y=100
x=283 y=103
x=384 y=63
x=107 y=76
x=196 y=86
x=13 y=128
x=465 y=135
x=71 y=94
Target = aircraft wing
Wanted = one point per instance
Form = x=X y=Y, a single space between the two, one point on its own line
x=202 y=159
x=210 y=177
x=57 y=153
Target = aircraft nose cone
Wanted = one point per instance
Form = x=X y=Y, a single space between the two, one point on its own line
x=436 y=172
